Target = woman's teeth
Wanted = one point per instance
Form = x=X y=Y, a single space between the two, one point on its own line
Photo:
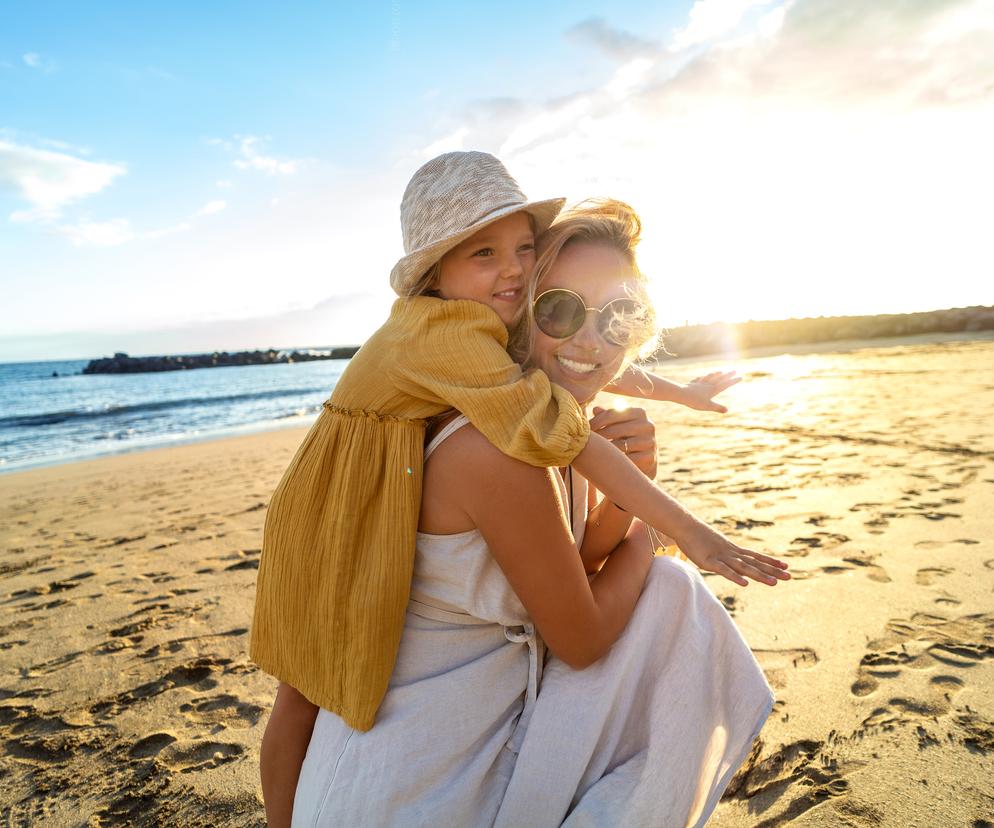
x=578 y=367
x=507 y=294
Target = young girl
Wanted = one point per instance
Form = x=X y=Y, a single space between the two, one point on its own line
x=339 y=539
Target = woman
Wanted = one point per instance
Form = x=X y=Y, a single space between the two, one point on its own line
x=647 y=705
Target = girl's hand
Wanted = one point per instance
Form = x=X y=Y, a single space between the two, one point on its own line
x=698 y=393
x=713 y=552
x=632 y=432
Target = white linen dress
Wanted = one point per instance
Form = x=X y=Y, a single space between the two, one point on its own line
x=479 y=728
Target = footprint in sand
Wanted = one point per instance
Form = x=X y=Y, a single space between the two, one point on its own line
x=806 y=765
x=819 y=520
x=777 y=664
x=873 y=571
x=193 y=757
x=929 y=575
x=246 y=564
x=224 y=709
x=154 y=615
x=928 y=642
x=836 y=570
x=159 y=577
x=197 y=675
x=49 y=588
x=151 y=745
x=819 y=540
x=50 y=740
x=13 y=567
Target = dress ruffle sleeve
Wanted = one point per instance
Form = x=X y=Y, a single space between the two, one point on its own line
x=462 y=363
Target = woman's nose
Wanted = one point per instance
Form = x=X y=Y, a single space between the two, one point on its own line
x=588 y=336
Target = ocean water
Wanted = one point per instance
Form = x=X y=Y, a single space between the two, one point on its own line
x=46 y=419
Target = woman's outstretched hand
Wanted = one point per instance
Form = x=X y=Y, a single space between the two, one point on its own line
x=699 y=392
x=713 y=552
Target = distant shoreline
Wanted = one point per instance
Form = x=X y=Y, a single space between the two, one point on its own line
x=717 y=339
x=723 y=339
x=303 y=423
x=830 y=346
x=121 y=363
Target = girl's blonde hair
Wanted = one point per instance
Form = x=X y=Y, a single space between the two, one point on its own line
x=425 y=285
x=606 y=222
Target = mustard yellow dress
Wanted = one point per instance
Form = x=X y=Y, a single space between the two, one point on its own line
x=339 y=539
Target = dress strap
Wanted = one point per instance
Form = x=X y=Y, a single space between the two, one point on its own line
x=427 y=606
x=449 y=429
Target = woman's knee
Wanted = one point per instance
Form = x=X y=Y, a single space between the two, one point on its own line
x=672 y=581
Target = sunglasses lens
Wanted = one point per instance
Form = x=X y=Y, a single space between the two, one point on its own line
x=559 y=313
x=619 y=321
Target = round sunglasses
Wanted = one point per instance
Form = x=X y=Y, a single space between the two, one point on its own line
x=560 y=313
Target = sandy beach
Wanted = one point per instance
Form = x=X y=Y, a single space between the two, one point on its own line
x=127 y=583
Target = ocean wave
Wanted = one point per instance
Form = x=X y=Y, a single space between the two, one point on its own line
x=114 y=411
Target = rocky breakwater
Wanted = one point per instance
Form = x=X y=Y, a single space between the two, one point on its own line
x=121 y=363
x=724 y=338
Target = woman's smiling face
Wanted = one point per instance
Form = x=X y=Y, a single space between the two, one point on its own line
x=584 y=362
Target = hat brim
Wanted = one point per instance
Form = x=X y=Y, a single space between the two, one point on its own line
x=412 y=267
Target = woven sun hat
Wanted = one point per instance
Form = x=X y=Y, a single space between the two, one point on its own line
x=448 y=200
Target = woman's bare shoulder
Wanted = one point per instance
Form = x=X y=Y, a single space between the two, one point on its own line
x=466 y=447
x=461 y=476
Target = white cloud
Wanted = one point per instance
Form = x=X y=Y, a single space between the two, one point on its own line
x=97 y=233
x=34 y=60
x=793 y=147
x=119 y=231
x=448 y=143
x=545 y=125
x=51 y=180
x=65 y=146
x=613 y=43
x=713 y=19
x=182 y=227
x=34 y=215
x=211 y=207
x=252 y=159
x=628 y=77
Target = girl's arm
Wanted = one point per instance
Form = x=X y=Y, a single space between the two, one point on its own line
x=622 y=482
x=607 y=526
x=696 y=394
x=634 y=434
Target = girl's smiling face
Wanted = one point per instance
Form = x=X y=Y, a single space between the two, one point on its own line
x=492 y=267
x=584 y=362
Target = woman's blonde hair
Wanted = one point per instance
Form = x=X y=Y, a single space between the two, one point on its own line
x=606 y=222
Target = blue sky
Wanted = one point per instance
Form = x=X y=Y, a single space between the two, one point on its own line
x=199 y=176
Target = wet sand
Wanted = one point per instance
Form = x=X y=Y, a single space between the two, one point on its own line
x=126 y=588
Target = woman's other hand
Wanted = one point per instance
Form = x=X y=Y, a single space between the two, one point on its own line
x=632 y=432
x=699 y=392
